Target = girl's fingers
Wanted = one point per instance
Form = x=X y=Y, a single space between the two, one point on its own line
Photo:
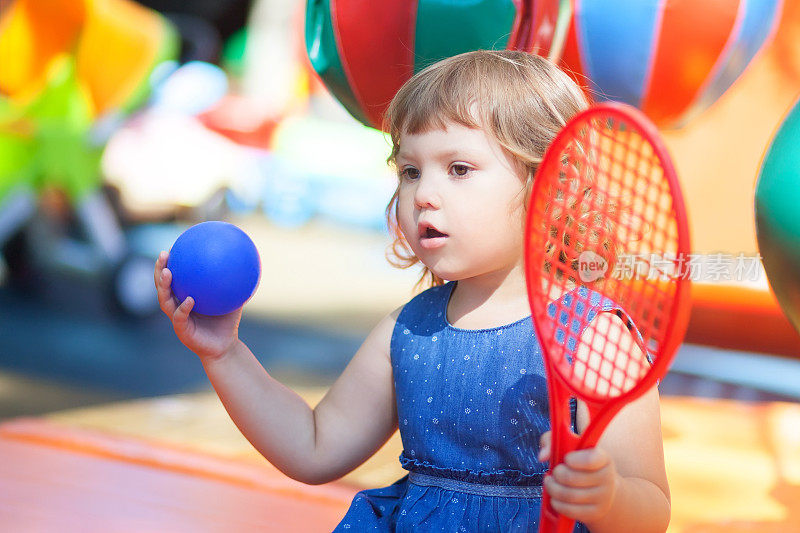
x=164 y=292
x=180 y=319
x=590 y=459
x=544 y=447
x=161 y=261
x=569 y=477
x=544 y=454
x=576 y=511
x=574 y=495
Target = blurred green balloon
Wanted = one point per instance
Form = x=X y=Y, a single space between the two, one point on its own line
x=777 y=206
x=45 y=142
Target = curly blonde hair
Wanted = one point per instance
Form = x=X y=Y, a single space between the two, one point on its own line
x=519 y=99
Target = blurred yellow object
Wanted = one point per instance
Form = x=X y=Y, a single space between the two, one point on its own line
x=121 y=42
x=116 y=43
x=31 y=35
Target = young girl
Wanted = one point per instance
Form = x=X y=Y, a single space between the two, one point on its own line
x=458 y=369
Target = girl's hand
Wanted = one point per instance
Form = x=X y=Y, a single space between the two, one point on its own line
x=583 y=487
x=207 y=336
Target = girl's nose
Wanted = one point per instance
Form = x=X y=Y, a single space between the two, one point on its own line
x=427 y=193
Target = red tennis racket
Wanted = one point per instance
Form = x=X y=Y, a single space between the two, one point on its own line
x=606 y=230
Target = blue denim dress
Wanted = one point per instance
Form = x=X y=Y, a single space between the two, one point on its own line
x=471 y=407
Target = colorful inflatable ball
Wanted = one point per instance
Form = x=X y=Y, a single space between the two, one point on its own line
x=364 y=51
x=672 y=58
x=777 y=199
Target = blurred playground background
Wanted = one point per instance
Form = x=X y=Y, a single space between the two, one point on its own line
x=123 y=123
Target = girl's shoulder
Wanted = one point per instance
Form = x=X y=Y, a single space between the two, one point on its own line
x=426 y=305
x=586 y=304
x=587 y=301
x=423 y=314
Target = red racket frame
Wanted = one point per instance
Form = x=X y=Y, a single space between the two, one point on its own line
x=559 y=389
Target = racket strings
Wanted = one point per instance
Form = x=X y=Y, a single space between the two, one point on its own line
x=655 y=253
x=610 y=226
x=578 y=215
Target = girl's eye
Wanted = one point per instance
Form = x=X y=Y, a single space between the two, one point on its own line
x=410 y=173
x=460 y=170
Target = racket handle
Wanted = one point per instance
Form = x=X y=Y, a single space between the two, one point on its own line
x=552 y=522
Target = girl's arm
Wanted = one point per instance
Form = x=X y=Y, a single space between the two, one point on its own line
x=633 y=444
x=621 y=484
x=354 y=419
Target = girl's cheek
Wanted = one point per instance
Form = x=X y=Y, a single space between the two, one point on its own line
x=402 y=226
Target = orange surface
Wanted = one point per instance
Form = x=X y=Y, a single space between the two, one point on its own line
x=55 y=478
x=732 y=466
x=740 y=318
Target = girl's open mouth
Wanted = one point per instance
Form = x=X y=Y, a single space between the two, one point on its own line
x=432 y=238
x=432 y=233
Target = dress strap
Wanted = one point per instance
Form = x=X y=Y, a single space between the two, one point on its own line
x=586 y=305
x=509 y=491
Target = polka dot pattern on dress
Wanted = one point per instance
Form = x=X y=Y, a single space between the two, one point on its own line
x=475 y=413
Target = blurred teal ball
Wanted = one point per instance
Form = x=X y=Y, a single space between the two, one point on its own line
x=777 y=209
x=215 y=263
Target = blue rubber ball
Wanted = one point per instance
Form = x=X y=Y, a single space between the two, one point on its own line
x=215 y=263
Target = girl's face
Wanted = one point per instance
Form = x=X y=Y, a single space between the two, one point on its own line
x=460 y=202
